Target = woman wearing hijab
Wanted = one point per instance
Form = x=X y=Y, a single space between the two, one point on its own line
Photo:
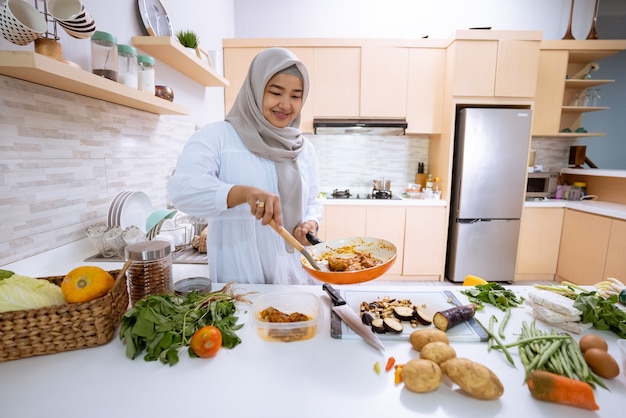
x=254 y=167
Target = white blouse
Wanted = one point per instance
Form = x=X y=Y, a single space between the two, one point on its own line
x=239 y=248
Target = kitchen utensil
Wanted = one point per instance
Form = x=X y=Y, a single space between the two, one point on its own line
x=381 y=184
x=72 y=17
x=378 y=248
x=294 y=242
x=341 y=308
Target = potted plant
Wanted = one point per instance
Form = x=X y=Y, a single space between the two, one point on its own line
x=188 y=38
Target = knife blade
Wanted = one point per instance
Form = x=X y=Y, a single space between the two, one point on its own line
x=341 y=308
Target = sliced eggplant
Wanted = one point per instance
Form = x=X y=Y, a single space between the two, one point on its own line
x=422 y=318
x=444 y=320
x=378 y=326
x=367 y=318
x=392 y=325
x=404 y=313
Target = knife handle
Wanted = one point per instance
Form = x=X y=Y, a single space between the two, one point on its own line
x=312 y=238
x=335 y=297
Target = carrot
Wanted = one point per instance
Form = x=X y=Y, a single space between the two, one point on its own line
x=552 y=387
x=390 y=362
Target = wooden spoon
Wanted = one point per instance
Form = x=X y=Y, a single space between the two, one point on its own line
x=295 y=243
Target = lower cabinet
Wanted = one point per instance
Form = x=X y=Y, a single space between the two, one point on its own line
x=539 y=241
x=584 y=247
x=425 y=243
x=419 y=233
x=615 y=265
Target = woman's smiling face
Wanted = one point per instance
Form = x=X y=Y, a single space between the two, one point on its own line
x=282 y=99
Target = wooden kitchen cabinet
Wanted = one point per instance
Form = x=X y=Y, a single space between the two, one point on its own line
x=344 y=221
x=558 y=86
x=387 y=222
x=425 y=243
x=336 y=81
x=495 y=67
x=425 y=89
x=584 y=247
x=539 y=242
x=384 y=77
x=615 y=265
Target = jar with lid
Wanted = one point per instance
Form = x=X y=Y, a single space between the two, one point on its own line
x=104 y=55
x=145 y=70
x=127 y=65
x=150 y=270
x=577 y=191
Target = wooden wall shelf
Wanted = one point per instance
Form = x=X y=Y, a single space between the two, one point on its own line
x=40 y=69
x=168 y=50
x=570 y=135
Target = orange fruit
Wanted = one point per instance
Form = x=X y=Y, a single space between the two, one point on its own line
x=86 y=283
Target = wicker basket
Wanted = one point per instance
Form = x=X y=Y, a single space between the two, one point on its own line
x=59 y=328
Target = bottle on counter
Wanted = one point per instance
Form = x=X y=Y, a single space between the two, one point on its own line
x=127 y=65
x=104 y=55
x=146 y=73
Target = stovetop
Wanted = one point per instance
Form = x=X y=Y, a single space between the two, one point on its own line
x=373 y=195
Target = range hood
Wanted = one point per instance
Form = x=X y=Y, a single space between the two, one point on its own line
x=365 y=126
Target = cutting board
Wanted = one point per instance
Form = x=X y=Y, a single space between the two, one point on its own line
x=428 y=302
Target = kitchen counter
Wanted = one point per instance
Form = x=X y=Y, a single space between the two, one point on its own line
x=384 y=202
x=319 y=377
x=597 y=207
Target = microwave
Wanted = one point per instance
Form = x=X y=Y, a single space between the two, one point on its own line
x=541 y=185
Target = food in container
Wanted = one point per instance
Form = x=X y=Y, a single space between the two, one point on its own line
x=289 y=303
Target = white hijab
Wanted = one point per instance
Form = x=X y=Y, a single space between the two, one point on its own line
x=281 y=145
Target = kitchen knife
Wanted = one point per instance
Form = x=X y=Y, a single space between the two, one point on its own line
x=341 y=308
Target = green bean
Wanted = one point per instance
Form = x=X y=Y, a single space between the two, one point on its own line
x=490 y=341
x=544 y=339
x=577 y=356
x=507 y=316
x=594 y=378
x=551 y=349
x=501 y=345
x=565 y=362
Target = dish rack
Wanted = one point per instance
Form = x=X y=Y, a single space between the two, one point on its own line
x=51 y=32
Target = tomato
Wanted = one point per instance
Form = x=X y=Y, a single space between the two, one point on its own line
x=206 y=341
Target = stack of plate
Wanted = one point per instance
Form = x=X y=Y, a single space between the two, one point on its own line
x=128 y=209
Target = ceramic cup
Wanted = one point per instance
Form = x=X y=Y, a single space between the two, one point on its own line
x=20 y=22
x=72 y=17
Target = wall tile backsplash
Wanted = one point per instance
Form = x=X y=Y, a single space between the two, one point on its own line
x=64 y=158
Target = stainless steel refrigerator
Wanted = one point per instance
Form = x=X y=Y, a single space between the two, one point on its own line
x=488 y=184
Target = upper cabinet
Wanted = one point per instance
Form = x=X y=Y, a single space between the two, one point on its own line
x=563 y=95
x=357 y=78
x=494 y=64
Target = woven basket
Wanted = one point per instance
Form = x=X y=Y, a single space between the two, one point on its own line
x=199 y=242
x=59 y=328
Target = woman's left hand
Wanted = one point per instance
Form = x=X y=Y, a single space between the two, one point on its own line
x=301 y=230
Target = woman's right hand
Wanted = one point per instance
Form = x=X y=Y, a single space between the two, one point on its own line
x=263 y=205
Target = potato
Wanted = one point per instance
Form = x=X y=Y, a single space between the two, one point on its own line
x=473 y=378
x=421 y=375
x=419 y=338
x=438 y=352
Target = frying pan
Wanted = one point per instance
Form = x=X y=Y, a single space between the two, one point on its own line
x=378 y=248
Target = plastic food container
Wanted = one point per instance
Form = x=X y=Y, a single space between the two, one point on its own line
x=289 y=302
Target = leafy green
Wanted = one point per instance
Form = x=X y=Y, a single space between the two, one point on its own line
x=5 y=274
x=18 y=293
x=602 y=312
x=493 y=293
x=161 y=325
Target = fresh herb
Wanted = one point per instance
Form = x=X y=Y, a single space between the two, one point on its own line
x=5 y=274
x=188 y=38
x=493 y=293
x=161 y=325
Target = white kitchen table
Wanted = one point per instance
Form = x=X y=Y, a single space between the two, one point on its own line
x=321 y=377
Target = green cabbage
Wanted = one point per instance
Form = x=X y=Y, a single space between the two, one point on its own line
x=19 y=293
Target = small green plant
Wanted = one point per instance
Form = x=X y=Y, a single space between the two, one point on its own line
x=188 y=38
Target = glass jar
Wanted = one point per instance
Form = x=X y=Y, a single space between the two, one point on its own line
x=127 y=65
x=145 y=69
x=104 y=55
x=150 y=270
